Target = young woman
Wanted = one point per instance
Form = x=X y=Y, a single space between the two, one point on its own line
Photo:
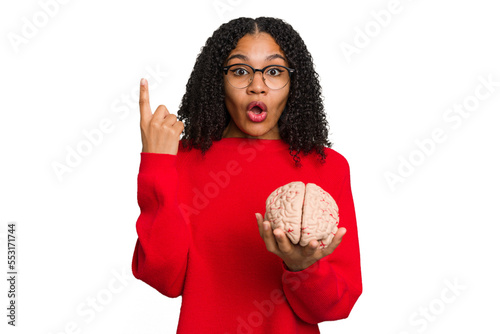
x=252 y=120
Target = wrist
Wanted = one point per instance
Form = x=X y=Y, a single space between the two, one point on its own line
x=294 y=267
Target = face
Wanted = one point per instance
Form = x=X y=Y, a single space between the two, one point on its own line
x=255 y=110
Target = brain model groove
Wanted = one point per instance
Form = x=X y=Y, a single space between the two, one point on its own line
x=304 y=212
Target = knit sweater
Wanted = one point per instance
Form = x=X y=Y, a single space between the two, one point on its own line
x=198 y=237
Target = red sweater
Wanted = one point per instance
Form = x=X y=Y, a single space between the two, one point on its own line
x=198 y=237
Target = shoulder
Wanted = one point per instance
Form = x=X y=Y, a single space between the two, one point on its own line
x=336 y=160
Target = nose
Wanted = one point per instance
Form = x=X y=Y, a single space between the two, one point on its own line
x=257 y=86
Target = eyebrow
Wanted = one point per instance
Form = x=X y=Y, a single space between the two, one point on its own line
x=239 y=56
x=245 y=58
x=275 y=56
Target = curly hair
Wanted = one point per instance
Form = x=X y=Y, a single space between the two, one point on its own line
x=302 y=125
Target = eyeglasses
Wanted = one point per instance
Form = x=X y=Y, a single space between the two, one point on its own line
x=274 y=76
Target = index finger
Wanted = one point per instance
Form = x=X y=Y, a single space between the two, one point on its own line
x=144 y=107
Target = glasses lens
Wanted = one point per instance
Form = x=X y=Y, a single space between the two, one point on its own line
x=240 y=76
x=276 y=77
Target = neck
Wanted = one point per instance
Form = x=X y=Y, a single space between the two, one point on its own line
x=232 y=131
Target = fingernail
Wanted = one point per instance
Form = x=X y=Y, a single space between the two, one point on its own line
x=143 y=81
x=266 y=226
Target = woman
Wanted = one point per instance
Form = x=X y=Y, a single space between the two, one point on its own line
x=254 y=121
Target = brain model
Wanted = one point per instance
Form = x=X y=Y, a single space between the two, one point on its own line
x=304 y=212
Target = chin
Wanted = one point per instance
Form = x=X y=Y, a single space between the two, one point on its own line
x=257 y=131
x=264 y=135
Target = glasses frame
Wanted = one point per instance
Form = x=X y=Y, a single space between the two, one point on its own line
x=290 y=71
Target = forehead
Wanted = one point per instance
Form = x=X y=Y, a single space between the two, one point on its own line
x=257 y=47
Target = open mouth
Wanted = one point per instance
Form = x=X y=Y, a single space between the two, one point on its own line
x=257 y=107
x=257 y=111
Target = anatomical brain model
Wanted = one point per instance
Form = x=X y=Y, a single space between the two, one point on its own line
x=304 y=212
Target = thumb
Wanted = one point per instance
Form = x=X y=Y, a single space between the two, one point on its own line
x=337 y=239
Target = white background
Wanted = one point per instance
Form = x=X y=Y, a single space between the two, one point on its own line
x=437 y=227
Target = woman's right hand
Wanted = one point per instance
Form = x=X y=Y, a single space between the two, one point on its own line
x=160 y=132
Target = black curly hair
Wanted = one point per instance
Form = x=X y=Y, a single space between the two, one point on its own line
x=303 y=123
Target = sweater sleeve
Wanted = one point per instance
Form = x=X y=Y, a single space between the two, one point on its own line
x=328 y=289
x=161 y=250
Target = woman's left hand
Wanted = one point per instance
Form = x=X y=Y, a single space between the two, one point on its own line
x=296 y=257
